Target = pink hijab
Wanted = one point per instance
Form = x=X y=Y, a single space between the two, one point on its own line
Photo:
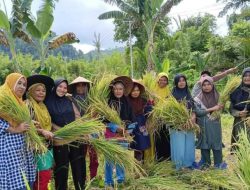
x=209 y=99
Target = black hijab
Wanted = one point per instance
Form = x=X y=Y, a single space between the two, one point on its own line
x=60 y=108
x=182 y=93
x=123 y=107
x=241 y=94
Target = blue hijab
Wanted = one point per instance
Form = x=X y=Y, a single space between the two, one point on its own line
x=60 y=108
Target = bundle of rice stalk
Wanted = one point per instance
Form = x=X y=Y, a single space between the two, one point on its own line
x=115 y=153
x=174 y=113
x=79 y=129
x=232 y=84
x=100 y=89
x=149 y=81
x=211 y=179
x=160 y=183
x=242 y=168
x=101 y=108
x=9 y=106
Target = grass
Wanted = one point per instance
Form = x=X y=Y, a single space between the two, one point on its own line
x=242 y=163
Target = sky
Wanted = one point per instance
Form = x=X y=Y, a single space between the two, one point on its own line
x=81 y=17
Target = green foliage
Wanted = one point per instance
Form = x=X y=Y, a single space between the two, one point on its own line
x=70 y=69
x=4 y=22
x=241 y=29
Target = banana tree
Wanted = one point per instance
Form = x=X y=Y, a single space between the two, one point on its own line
x=12 y=28
x=40 y=30
x=155 y=11
x=148 y=13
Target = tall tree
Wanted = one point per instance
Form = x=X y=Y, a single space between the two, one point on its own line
x=145 y=12
x=97 y=44
x=233 y=4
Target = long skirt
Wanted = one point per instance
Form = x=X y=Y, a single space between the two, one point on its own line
x=182 y=148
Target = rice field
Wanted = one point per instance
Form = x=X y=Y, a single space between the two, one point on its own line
x=162 y=176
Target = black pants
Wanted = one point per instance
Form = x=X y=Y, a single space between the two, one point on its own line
x=205 y=153
x=73 y=154
x=162 y=144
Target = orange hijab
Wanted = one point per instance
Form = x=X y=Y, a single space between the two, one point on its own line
x=8 y=88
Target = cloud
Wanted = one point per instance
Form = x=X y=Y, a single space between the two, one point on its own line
x=85 y=48
x=188 y=8
x=80 y=17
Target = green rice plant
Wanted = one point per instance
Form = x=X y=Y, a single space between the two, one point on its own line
x=102 y=109
x=164 y=168
x=10 y=107
x=79 y=129
x=101 y=87
x=159 y=183
x=113 y=152
x=210 y=179
x=25 y=180
x=98 y=98
x=232 y=84
x=242 y=153
x=149 y=81
x=172 y=112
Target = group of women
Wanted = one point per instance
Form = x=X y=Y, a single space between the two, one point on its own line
x=52 y=108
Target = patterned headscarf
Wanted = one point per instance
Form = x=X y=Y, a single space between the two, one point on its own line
x=41 y=113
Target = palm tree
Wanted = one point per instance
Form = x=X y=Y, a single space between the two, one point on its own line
x=233 y=4
x=97 y=44
x=147 y=13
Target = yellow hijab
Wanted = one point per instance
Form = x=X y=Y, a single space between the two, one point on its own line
x=41 y=113
x=165 y=91
x=8 y=88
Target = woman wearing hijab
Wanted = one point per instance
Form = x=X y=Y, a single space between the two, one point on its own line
x=139 y=108
x=120 y=87
x=162 y=139
x=79 y=90
x=210 y=136
x=63 y=112
x=38 y=87
x=238 y=109
x=182 y=142
x=16 y=161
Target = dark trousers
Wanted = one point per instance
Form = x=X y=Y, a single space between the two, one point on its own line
x=205 y=153
x=73 y=154
x=162 y=144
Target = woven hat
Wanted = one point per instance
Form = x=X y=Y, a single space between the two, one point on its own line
x=140 y=86
x=126 y=81
x=79 y=79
